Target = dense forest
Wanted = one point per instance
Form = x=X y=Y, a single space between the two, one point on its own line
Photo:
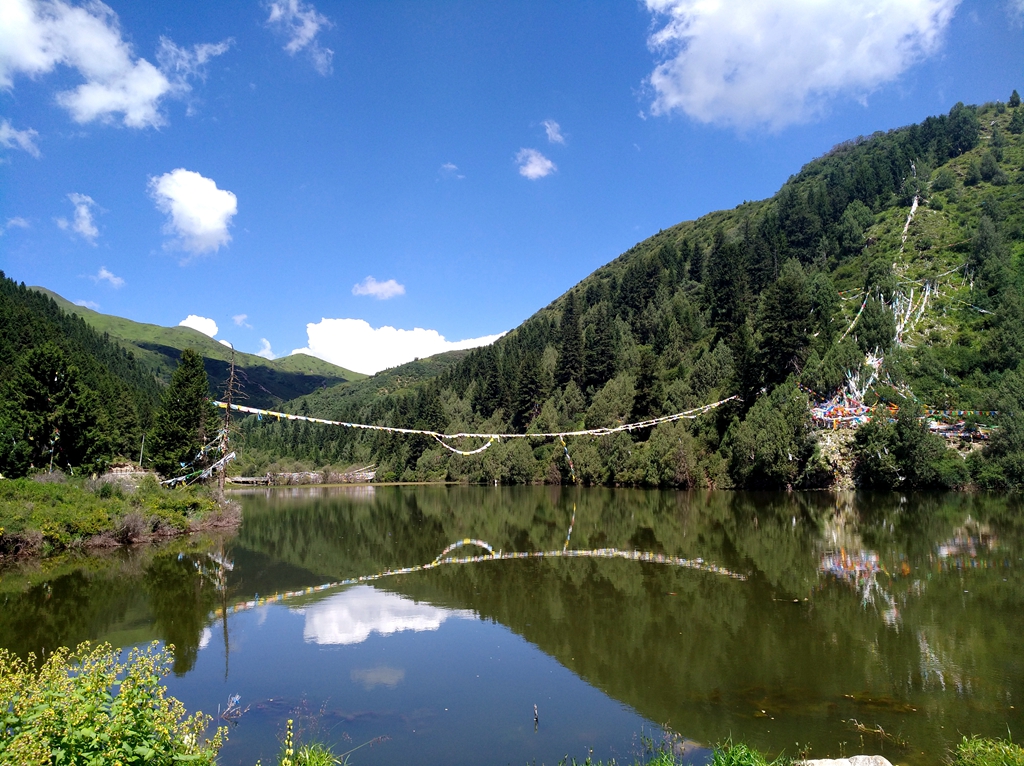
x=889 y=268
x=69 y=396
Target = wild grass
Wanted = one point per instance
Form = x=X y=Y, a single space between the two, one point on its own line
x=978 y=751
x=44 y=517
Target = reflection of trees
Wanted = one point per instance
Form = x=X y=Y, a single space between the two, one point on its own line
x=704 y=653
x=100 y=598
x=182 y=592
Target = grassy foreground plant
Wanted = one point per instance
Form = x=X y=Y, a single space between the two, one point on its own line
x=88 y=707
x=978 y=751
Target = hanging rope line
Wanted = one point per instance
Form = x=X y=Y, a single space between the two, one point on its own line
x=491 y=437
x=442 y=559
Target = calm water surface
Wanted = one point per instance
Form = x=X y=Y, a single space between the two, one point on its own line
x=856 y=611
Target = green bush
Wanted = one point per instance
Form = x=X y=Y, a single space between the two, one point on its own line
x=87 y=707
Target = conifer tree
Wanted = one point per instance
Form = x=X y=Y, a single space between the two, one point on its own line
x=570 y=355
x=186 y=419
x=57 y=414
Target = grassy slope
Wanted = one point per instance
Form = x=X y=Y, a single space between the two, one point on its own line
x=267 y=382
x=396 y=380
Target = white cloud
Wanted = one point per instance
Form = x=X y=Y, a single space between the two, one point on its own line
x=202 y=324
x=355 y=345
x=106 y=276
x=82 y=224
x=350 y=617
x=265 y=350
x=554 y=131
x=199 y=212
x=533 y=164
x=88 y=304
x=379 y=290
x=451 y=170
x=301 y=23
x=14 y=223
x=226 y=343
x=183 y=64
x=36 y=36
x=753 y=63
x=23 y=139
x=239 y=320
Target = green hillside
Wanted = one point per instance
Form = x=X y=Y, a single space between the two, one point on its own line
x=810 y=294
x=266 y=382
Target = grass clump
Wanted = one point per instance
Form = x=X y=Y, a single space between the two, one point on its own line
x=979 y=751
x=729 y=754
x=86 y=706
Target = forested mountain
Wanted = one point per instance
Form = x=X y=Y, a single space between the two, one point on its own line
x=67 y=392
x=888 y=268
x=266 y=382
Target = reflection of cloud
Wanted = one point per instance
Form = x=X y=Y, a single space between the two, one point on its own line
x=204 y=638
x=381 y=675
x=350 y=617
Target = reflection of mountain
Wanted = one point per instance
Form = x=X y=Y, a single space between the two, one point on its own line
x=701 y=652
x=350 y=617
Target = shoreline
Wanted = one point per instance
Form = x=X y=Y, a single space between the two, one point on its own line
x=41 y=517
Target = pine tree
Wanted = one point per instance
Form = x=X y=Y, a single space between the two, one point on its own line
x=570 y=355
x=1014 y=99
x=600 y=363
x=784 y=323
x=186 y=419
x=59 y=416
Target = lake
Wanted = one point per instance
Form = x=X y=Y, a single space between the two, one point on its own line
x=849 y=623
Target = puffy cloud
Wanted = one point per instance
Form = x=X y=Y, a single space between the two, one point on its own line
x=23 y=139
x=202 y=324
x=239 y=320
x=265 y=350
x=82 y=224
x=106 y=276
x=199 y=212
x=554 y=131
x=355 y=345
x=88 y=304
x=379 y=290
x=14 y=223
x=533 y=164
x=752 y=63
x=38 y=35
x=301 y=23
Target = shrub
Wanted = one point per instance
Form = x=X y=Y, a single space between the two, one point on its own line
x=87 y=707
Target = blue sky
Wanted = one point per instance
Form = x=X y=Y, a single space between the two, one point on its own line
x=332 y=176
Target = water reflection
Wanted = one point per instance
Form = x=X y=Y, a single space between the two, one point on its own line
x=895 y=611
x=350 y=617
